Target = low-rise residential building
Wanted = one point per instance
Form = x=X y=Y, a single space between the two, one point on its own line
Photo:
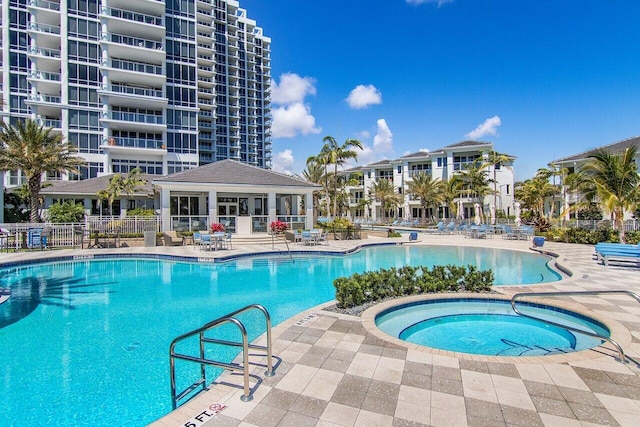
x=562 y=202
x=442 y=164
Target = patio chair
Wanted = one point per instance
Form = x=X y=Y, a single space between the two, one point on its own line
x=307 y=239
x=171 y=238
x=322 y=237
x=205 y=241
x=197 y=237
x=226 y=241
x=297 y=236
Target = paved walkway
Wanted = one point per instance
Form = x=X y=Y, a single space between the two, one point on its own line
x=336 y=370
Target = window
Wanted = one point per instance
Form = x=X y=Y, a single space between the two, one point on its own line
x=86 y=142
x=180 y=166
x=83 y=96
x=83 y=119
x=84 y=74
x=84 y=52
x=442 y=162
x=83 y=29
x=91 y=170
x=126 y=166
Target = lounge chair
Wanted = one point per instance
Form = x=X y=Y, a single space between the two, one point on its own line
x=606 y=252
x=171 y=238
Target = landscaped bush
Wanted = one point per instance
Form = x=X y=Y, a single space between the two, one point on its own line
x=580 y=235
x=337 y=224
x=67 y=212
x=371 y=286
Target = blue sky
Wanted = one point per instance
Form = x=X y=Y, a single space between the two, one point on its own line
x=540 y=79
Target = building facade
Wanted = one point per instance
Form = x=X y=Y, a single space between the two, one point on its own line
x=164 y=86
x=441 y=164
x=562 y=203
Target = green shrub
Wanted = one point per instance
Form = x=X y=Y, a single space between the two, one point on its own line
x=141 y=212
x=582 y=236
x=67 y=212
x=371 y=286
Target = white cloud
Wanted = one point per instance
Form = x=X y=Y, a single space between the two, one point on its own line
x=289 y=120
x=438 y=2
x=291 y=116
x=363 y=96
x=283 y=161
x=383 y=141
x=489 y=127
x=292 y=88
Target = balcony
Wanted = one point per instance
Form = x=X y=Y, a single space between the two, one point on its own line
x=132 y=145
x=135 y=72
x=45 y=105
x=45 y=58
x=134 y=48
x=134 y=96
x=44 y=32
x=134 y=23
x=45 y=11
x=44 y=81
x=135 y=121
x=151 y=7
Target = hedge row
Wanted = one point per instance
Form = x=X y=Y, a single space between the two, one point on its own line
x=371 y=286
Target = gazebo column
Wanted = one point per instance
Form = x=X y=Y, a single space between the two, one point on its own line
x=165 y=209
x=271 y=203
x=213 y=207
x=308 y=207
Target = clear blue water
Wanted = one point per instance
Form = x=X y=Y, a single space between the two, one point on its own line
x=86 y=342
x=488 y=328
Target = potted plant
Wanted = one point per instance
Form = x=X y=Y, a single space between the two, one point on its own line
x=216 y=227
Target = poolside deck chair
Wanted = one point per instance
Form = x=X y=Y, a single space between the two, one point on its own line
x=225 y=241
x=508 y=233
x=617 y=252
x=307 y=239
x=322 y=237
x=171 y=238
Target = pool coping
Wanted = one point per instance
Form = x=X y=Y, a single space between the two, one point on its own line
x=618 y=332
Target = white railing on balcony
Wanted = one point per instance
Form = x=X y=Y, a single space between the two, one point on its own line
x=135 y=90
x=135 y=117
x=137 y=142
x=133 y=16
x=44 y=28
x=133 y=41
x=138 y=67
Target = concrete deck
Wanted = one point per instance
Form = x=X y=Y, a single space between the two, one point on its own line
x=337 y=370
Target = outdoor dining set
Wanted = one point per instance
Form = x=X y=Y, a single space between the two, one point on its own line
x=212 y=241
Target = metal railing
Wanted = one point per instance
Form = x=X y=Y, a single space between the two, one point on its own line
x=204 y=362
x=621 y=355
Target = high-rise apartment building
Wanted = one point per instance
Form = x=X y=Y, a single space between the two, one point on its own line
x=160 y=85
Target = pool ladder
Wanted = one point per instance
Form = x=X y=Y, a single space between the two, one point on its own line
x=621 y=355
x=204 y=362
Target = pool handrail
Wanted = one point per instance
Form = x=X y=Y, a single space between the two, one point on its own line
x=618 y=347
x=226 y=319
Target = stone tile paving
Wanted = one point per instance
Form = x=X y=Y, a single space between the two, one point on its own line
x=334 y=371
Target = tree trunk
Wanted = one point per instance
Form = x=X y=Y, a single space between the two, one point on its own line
x=34 y=192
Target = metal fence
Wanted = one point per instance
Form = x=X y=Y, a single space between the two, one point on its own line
x=17 y=235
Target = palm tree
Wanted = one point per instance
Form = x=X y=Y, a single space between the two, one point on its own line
x=314 y=173
x=616 y=179
x=430 y=191
x=338 y=156
x=384 y=192
x=34 y=149
x=532 y=193
x=322 y=160
x=453 y=190
x=495 y=159
x=476 y=183
x=119 y=184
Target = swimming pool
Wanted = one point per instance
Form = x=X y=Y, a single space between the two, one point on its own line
x=489 y=327
x=87 y=341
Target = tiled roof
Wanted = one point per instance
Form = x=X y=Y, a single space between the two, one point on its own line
x=468 y=143
x=421 y=153
x=616 y=147
x=234 y=172
x=92 y=186
x=381 y=163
